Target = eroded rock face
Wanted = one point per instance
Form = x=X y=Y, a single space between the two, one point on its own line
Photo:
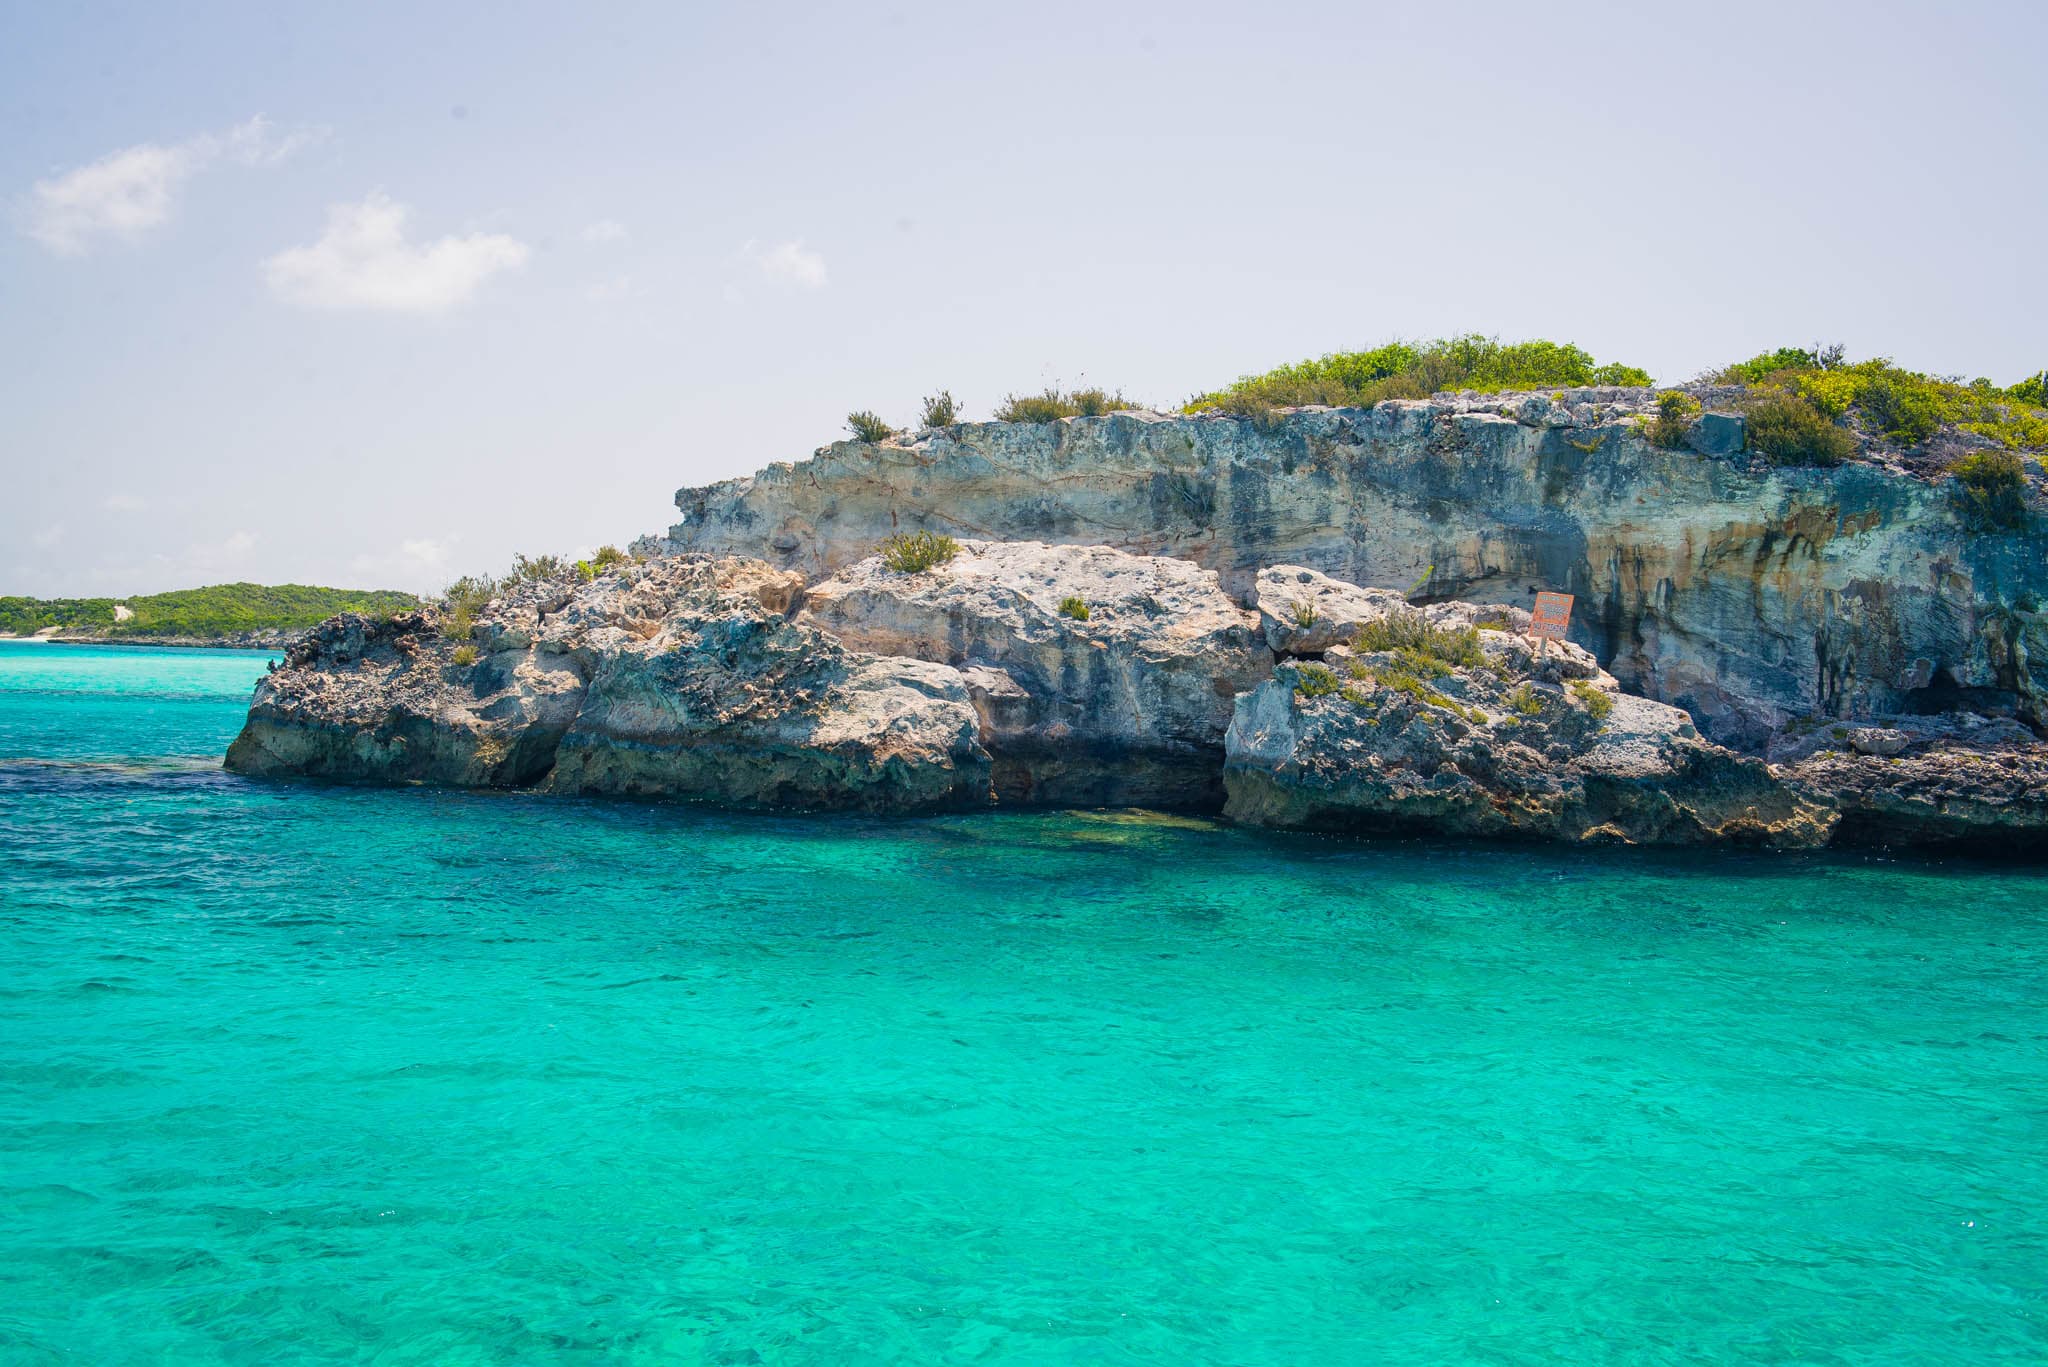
x=1957 y=780
x=1127 y=706
x=1705 y=578
x=1303 y=612
x=1493 y=738
x=684 y=678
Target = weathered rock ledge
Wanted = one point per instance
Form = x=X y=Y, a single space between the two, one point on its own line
x=1028 y=673
x=1748 y=594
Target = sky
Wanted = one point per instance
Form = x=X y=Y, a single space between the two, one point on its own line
x=376 y=295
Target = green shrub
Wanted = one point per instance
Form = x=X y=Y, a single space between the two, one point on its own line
x=2033 y=390
x=1304 y=614
x=1593 y=698
x=1051 y=405
x=465 y=654
x=1903 y=411
x=1073 y=607
x=1675 y=412
x=865 y=426
x=603 y=560
x=1398 y=631
x=1247 y=407
x=1992 y=488
x=1413 y=676
x=464 y=599
x=1789 y=430
x=1525 y=701
x=1415 y=370
x=914 y=552
x=1316 y=680
x=537 y=569
x=939 y=410
x=1906 y=406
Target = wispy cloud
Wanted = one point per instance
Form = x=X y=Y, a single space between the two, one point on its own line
x=125 y=194
x=604 y=231
x=420 y=563
x=363 y=261
x=787 y=263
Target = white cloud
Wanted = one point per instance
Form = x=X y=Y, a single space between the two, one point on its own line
x=422 y=563
x=126 y=193
x=787 y=263
x=258 y=142
x=48 y=537
x=363 y=261
x=605 y=230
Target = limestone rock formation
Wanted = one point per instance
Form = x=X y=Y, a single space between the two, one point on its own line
x=682 y=678
x=1443 y=727
x=1706 y=578
x=1126 y=705
x=1958 y=780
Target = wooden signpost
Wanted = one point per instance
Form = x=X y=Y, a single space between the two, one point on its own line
x=1552 y=616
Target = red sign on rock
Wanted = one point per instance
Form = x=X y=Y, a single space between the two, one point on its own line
x=1552 y=617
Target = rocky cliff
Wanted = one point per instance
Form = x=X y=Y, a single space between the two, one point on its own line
x=1751 y=596
x=1031 y=673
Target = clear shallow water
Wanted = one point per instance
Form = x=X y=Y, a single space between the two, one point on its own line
x=291 y=1073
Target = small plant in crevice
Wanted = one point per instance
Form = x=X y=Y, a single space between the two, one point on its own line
x=1525 y=701
x=1455 y=646
x=1073 y=607
x=465 y=655
x=940 y=410
x=1593 y=698
x=914 y=552
x=1304 y=613
x=1315 y=680
x=865 y=426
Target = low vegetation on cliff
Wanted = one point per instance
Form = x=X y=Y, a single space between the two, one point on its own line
x=1415 y=370
x=218 y=610
x=915 y=552
x=1902 y=406
x=1050 y=405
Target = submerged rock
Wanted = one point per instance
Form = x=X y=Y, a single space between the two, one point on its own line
x=1443 y=727
x=684 y=678
x=1100 y=677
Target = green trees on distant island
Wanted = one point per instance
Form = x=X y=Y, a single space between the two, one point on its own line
x=219 y=610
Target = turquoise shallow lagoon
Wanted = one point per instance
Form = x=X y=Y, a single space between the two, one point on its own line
x=303 y=1074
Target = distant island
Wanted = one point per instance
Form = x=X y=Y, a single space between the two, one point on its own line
x=219 y=615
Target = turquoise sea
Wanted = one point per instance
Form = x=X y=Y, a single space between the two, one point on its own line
x=292 y=1073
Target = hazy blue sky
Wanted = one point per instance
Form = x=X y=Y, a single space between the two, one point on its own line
x=376 y=294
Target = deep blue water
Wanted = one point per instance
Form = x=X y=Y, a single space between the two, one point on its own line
x=292 y=1073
